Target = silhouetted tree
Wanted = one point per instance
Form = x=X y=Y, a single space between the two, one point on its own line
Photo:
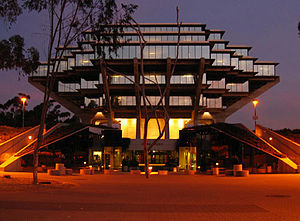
x=67 y=20
x=11 y=114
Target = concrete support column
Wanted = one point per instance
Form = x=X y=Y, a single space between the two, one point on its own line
x=195 y=117
x=167 y=96
x=167 y=131
x=137 y=97
x=199 y=78
x=106 y=93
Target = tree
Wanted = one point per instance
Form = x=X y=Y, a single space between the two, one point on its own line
x=149 y=110
x=14 y=56
x=11 y=114
x=67 y=20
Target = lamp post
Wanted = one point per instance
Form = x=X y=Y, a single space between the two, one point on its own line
x=255 y=117
x=23 y=99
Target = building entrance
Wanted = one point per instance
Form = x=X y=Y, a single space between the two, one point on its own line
x=187 y=158
x=112 y=157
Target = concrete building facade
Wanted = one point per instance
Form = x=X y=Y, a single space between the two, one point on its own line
x=212 y=79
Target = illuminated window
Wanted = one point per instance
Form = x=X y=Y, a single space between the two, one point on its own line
x=180 y=101
x=264 y=70
x=68 y=87
x=153 y=100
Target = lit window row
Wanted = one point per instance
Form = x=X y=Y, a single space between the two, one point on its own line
x=158 y=78
x=174 y=101
x=264 y=70
x=71 y=63
x=89 y=37
x=210 y=102
x=241 y=52
x=219 y=46
x=153 y=100
x=154 y=29
x=214 y=102
x=42 y=70
x=235 y=63
x=88 y=84
x=151 y=78
x=119 y=79
x=84 y=59
x=246 y=65
x=180 y=101
x=174 y=37
x=62 y=66
x=217 y=84
x=87 y=47
x=69 y=87
x=238 y=87
x=182 y=79
x=66 y=52
x=161 y=52
x=221 y=59
x=214 y=36
x=127 y=100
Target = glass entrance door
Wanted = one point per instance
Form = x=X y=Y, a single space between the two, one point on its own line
x=187 y=158
x=107 y=164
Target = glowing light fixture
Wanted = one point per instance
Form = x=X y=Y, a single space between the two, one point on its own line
x=255 y=102
x=29 y=137
x=99 y=114
x=23 y=99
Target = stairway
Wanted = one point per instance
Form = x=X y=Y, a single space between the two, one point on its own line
x=288 y=154
x=283 y=144
x=9 y=157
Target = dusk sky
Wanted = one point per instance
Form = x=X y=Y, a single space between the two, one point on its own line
x=268 y=26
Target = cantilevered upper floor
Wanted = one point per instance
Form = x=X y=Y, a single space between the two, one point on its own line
x=210 y=74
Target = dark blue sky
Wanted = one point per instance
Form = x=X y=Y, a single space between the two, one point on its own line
x=269 y=26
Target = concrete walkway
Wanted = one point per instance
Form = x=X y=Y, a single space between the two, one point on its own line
x=172 y=197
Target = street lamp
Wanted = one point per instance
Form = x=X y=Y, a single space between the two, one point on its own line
x=23 y=99
x=255 y=117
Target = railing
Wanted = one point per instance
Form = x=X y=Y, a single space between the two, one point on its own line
x=13 y=145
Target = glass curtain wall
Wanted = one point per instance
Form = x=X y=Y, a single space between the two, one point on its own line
x=246 y=65
x=238 y=87
x=221 y=59
x=69 y=87
x=182 y=79
x=180 y=101
x=161 y=52
x=119 y=79
x=264 y=70
x=84 y=59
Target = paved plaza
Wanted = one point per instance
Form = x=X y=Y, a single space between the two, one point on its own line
x=172 y=197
